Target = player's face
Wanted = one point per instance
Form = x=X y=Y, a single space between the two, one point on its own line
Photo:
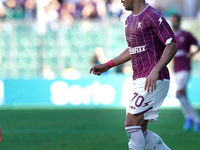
x=175 y=23
x=128 y=4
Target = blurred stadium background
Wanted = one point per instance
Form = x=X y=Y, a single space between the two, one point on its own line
x=46 y=50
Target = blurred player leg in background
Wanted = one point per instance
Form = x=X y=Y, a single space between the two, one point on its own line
x=190 y=114
x=182 y=69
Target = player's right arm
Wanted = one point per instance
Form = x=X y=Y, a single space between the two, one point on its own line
x=122 y=58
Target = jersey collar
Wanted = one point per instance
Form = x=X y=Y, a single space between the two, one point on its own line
x=147 y=5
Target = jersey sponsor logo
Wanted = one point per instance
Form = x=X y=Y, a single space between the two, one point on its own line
x=138 y=49
x=139 y=25
x=160 y=20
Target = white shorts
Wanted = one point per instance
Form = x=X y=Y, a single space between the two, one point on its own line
x=147 y=104
x=181 y=79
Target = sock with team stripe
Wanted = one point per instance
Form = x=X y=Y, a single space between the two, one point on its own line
x=136 y=138
x=154 y=142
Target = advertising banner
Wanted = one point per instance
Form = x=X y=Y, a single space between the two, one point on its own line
x=106 y=91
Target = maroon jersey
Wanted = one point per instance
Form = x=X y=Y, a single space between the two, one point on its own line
x=184 y=41
x=147 y=33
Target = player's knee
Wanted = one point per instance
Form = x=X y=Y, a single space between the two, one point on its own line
x=181 y=97
x=132 y=120
x=129 y=123
x=180 y=93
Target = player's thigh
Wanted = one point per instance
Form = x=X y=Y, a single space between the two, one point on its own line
x=141 y=101
x=181 y=79
x=146 y=103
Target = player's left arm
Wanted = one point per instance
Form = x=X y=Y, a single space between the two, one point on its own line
x=190 y=55
x=196 y=51
x=168 y=54
x=193 y=41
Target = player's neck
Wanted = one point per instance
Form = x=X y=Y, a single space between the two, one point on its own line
x=138 y=6
x=176 y=29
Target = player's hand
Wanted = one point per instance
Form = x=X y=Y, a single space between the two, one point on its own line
x=150 y=84
x=98 y=69
x=189 y=55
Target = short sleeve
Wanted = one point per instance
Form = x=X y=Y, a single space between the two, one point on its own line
x=193 y=40
x=161 y=27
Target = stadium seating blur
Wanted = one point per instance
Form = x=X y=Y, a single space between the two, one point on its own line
x=71 y=35
x=24 y=52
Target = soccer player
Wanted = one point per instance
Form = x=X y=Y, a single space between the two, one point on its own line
x=151 y=46
x=182 y=70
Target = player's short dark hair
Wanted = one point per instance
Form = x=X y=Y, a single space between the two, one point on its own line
x=178 y=17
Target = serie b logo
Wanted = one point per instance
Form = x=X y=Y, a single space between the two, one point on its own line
x=139 y=25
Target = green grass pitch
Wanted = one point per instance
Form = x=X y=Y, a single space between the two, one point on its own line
x=85 y=129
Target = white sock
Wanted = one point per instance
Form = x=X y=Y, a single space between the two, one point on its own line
x=136 y=138
x=187 y=109
x=154 y=142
